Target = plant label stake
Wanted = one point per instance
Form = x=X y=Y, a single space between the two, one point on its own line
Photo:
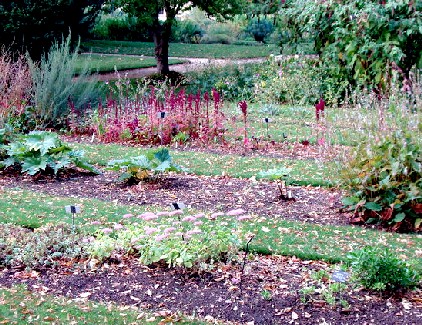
x=161 y=116
x=340 y=276
x=267 y=121
x=178 y=205
x=73 y=209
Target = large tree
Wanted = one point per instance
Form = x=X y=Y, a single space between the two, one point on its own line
x=148 y=12
x=33 y=25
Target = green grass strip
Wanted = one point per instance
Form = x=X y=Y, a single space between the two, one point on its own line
x=21 y=306
x=34 y=209
x=272 y=235
x=108 y=63
x=226 y=51
x=304 y=172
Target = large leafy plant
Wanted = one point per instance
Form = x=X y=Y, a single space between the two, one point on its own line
x=144 y=167
x=42 y=152
x=384 y=181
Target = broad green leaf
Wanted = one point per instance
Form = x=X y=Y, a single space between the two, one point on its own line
x=164 y=166
x=41 y=140
x=84 y=165
x=373 y=206
x=33 y=165
x=399 y=217
x=349 y=200
x=163 y=155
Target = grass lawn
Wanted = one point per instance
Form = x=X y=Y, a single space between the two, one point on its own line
x=304 y=172
x=108 y=63
x=183 y=50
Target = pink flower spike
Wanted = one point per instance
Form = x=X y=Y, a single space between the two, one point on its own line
x=244 y=217
x=235 y=212
x=127 y=216
x=180 y=234
x=107 y=230
x=117 y=226
x=216 y=214
x=162 y=213
x=321 y=141
x=198 y=223
x=95 y=223
x=199 y=215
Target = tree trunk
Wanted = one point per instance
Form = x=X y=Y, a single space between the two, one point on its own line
x=161 y=36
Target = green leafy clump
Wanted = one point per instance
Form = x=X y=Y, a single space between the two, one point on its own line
x=380 y=269
x=385 y=183
x=275 y=173
x=42 y=151
x=144 y=167
x=21 y=247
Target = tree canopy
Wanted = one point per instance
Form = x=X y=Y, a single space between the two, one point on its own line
x=33 y=25
x=362 y=40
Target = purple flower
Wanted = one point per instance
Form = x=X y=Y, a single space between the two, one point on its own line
x=235 y=212
x=147 y=216
x=127 y=216
x=175 y=212
x=244 y=217
x=95 y=223
x=216 y=214
x=162 y=213
x=193 y=232
x=198 y=223
x=161 y=237
x=169 y=230
x=189 y=219
x=199 y=215
x=117 y=226
x=150 y=230
x=107 y=230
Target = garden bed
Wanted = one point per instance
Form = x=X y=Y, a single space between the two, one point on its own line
x=268 y=292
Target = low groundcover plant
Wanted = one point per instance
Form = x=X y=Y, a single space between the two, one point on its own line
x=173 y=238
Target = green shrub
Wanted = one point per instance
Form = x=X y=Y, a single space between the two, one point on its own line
x=385 y=183
x=119 y=26
x=42 y=151
x=222 y=33
x=186 y=31
x=136 y=169
x=54 y=85
x=21 y=247
x=380 y=269
x=260 y=29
